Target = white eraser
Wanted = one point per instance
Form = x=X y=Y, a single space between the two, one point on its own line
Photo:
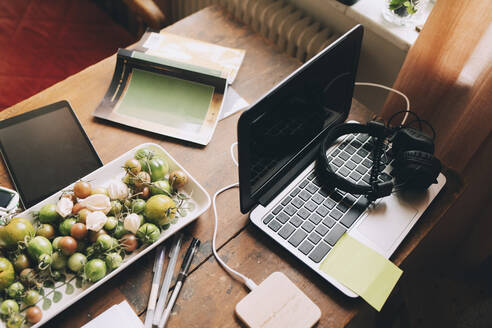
x=276 y=303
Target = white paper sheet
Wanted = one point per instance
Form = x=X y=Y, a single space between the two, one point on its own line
x=233 y=103
x=119 y=315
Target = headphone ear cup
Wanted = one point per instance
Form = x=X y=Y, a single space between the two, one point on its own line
x=407 y=139
x=416 y=169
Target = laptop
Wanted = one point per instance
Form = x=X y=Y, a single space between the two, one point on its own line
x=278 y=142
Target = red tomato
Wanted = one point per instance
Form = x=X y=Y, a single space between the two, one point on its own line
x=34 y=314
x=178 y=179
x=68 y=245
x=145 y=193
x=129 y=242
x=78 y=231
x=77 y=208
x=82 y=189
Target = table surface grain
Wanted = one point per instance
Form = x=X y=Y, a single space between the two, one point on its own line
x=209 y=295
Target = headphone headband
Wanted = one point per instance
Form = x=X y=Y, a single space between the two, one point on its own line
x=415 y=166
x=372 y=128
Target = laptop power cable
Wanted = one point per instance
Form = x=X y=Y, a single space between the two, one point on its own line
x=248 y=282
x=277 y=301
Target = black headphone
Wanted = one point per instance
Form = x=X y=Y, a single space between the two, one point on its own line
x=415 y=165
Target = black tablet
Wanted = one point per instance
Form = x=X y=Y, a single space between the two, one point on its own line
x=45 y=150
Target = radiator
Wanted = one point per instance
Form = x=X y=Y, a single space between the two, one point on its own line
x=288 y=27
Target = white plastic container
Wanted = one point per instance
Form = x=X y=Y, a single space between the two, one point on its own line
x=199 y=202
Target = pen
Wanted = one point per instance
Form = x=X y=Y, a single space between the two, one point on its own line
x=158 y=262
x=173 y=258
x=183 y=273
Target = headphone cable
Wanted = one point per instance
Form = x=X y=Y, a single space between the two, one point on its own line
x=237 y=275
x=407 y=101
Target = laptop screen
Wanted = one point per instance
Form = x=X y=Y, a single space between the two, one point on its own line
x=277 y=136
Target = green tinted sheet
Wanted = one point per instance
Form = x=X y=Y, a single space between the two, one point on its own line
x=166 y=100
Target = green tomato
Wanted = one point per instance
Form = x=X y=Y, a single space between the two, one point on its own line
x=15 y=290
x=44 y=261
x=105 y=241
x=113 y=261
x=156 y=167
x=129 y=179
x=120 y=230
x=15 y=320
x=56 y=243
x=95 y=270
x=160 y=209
x=66 y=226
x=148 y=233
x=31 y=297
x=17 y=230
x=127 y=203
x=111 y=223
x=144 y=153
x=133 y=165
x=83 y=213
x=144 y=164
x=58 y=261
x=77 y=261
x=48 y=214
x=138 y=206
x=8 y=307
x=161 y=187
x=116 y=208
x=7 y=274
x=38 y=246
x=4 y=238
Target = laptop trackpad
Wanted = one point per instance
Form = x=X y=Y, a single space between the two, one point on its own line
x=385 y=225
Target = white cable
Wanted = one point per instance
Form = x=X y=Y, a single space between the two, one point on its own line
x=232 y=153
x=369 y=84
x=249 y=283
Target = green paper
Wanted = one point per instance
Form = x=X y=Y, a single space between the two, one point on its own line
x=361 y=269
x=166 y=100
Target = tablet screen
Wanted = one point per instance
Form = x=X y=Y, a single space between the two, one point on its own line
x=46 y=150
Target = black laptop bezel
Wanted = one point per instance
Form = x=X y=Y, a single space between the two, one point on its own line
x=32 y=114
x=285 y=175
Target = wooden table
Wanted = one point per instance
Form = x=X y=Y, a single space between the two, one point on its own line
x=209 y=295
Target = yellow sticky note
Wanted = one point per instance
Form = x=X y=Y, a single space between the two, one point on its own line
x=361 y=269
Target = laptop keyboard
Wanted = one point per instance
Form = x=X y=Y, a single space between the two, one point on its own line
x=312 y=218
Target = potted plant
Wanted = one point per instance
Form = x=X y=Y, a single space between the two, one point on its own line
x=401 y=12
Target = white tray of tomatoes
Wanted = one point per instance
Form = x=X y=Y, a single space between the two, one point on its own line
x=61 y=249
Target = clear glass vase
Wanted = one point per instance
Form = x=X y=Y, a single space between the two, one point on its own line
x=401 y=16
